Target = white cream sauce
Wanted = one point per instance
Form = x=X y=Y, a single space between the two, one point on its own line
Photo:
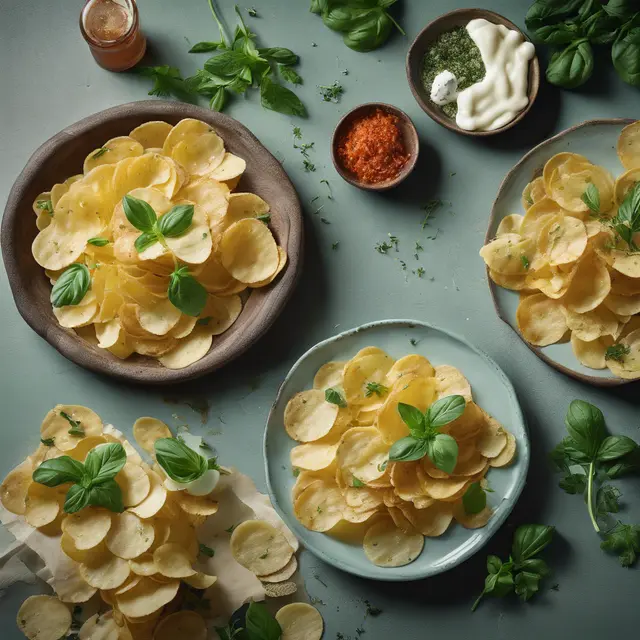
x=498 y=98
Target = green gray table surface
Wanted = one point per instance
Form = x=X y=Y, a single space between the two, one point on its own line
x=49 y=81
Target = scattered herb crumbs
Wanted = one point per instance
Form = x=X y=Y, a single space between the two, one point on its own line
x=231 y=528
x=617 y=352
x=313 y=44
x=394 y=241
x=555 y=587
x=265 y=217
x=45 y=205
x=403 y=265
x=345 y=72
x=453 y=173
x=525 y=261
x=76 y=427
x=319 y=209
x=357 y=483
x=331 y=93
x=319 y=509
x=419 y=272
x=264 y=555
x=47 y=442
x=253 y=12
x=377 y=388
x=100 y=152
x=413 y=342
x=325 y=181
x=308 y=166
x=335 y=245
x=430 y=209
x=320 y=580
x=372 y=611
x=207 y=551
x=324 y=221
x=296 y=472
x=360 y=631
x=383 y=247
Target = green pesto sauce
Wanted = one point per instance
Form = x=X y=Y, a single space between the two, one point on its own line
x=453 y=51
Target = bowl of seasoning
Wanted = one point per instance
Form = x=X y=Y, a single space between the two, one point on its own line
x=375 y=146
x=474 y=72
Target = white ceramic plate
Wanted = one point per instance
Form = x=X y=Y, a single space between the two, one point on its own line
x=597 y=140
x=492 y=391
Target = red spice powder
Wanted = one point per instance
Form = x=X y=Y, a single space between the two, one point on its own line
x=373 y=149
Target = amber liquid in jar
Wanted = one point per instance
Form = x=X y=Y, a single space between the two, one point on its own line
x=112 y=31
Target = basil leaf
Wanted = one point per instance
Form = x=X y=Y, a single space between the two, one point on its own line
x=278 y=98
x=413 y=418
x=591 y=197
x=529 y=540
x=205 y=47
x=571 y=67
x=260 y=624
x=445 y=410
x=139 y=213
x=614 y=447
x=493 y=564
x=526 y=584
x=357 y=483
x=58 y=471
x=443 y=452
x=107 y=494
x=104 y=462
x=77 y=498
x=71 y=286
x=186 y=293
x=625 y=465
x=145 y=240
x=499 y=584
x=206 y=551
x=333 y=396
x=289 y=75
x=535 y=565
x=620 y=9
x=179 y=462
x=175 y=222
x=408 y=449
x=228 y=63
x=279 y=54
x=370 y=32
x=98 y=242
x=556 y=34
x=629 y=210
x=218 y=99
x=543 y=12
x=585 y=424
x=474 y=499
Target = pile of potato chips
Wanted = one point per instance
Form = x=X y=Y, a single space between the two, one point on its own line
x=575 y=276
x=344 y=476
x=141 y=561
x=226 y=248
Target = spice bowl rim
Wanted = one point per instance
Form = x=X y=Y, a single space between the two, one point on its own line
x=412 y=145
x=445 y=22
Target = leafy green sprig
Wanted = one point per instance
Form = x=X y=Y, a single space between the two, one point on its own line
x=181 y=463
x=258 y=624
x=523 y=571
x=72 y=286
x=588 y=457
x=92 y=483
x=425 y=438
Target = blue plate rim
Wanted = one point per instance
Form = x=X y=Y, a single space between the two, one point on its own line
x=493 y=525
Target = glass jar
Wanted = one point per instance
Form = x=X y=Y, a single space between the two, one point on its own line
x=112 y=31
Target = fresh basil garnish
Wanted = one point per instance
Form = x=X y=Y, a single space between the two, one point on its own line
x=71 y=286
x=186 y=293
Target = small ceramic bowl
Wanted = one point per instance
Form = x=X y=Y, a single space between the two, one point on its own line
x=447 y=22
x=409 y=136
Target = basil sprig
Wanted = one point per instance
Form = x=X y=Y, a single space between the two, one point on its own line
x=258 y=624
x=71 y=286
x=425 y=439
x=186 y=293
x=180 y=462
x=93 y=481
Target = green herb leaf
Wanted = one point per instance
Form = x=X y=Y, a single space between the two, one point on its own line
x=145 y=240
x=357 y=483
x=614 y=447
x=279 y=54
x=591 y=197
x=413 y=418
x=331 y=93
x=71 y=287
x=107 y=494
x=571 y=67
x=334 y=396
x=260 y=624
x=525 y=261
x=408 y=449
x=104 y=462
x=625 y=53
x=76 y=427
x=176 y=221
x=289 y=75
x=207 y=551
x=278 y=98
x=443 y=452
x=186 y=293
x=167 y=81
x=77 y=498
x=585 y=424
x=179 y=462
x=526 y=584
x=57 y=471
x=45 y=205
x=47 y=442
x=218 y=99
x=623 y=539
x=100 y=152
x=206 y=47
x=265 y=217
x=139 y=213
x=493 y=564
x=228 y=63
x=377 y=388
x=474 y=500
x=529 y=540
x=617 y=352
x=607 y=501
x=574 y=483
x=98 y=242
x=445 y=410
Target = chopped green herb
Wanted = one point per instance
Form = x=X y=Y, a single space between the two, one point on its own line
x=324 y=221
x=253 y=12
x=357 y=483
x=308 y=166
x=264 y=555
x=525 y=261
x=383 y=247
x=207 y=551
x=377 y=388
x=413 y=342
x=296 y=472
x=430 y=209
x=335 y=245
x=98 y=242
x=265 y=217
x=231 y=528
x=76 y=427
x=100 y=152
x=394 y=241
x=419 y=272
x=372 y=611
x=45 y=205
x=331 y=93
x=319 y=509
x=47 y=442
x=333 y=396
x=617 y=352
x=204 y=321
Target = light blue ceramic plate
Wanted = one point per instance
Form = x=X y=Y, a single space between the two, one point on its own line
x=492 y=391
x=597 y=140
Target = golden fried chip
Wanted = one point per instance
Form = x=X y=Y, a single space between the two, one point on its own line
x=314 y=456
x=590 y=285
x=189 y=350
x=88 y=527
x=472 y=520
x=55 y=425
x=361 y=454
x=411 y=365
x=44 y=618
x=260 y=547
x=450 y=381
x=509 y=224
x=105 y=571
x=628 y=366
x=134 y=484
x=533 y=192
x=320 y=506
x=129 y=536
x=387 y=546
x=629 y=146
x=182 y=624
x=100 y=627
x=173 y=561
x=155 y=499
x=592 y=324
x=541 y=320
x=591 y=353
x=116 y=149
x=563 y=240
x=432 y=521
x=505 y=254
x=151 y=134
x=14 y=488
x=507 y=455
x=147 y=597
x=493 y=439
x=308 y=416
x=329 y=375
x=147 y=430
x=43 y=504
x=300 y=621
x=200 y=580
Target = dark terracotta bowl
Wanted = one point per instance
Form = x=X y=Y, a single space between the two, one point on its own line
x=409 y=136
x=62 y=156
x=425 y=39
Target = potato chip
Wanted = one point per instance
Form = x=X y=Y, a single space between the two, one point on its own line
x=387 y=546
x=505 y=254
x=569 y=183
x=308 y=416
x=314 y=456
x=493 y=439
x=537 y=216
x=100 y=626
x=629 y=146
x=116 y=149
x=444 y=488
x=541 y=320
x=196 y=505
x=450 y=381
x=44 y=618
x=147 y=430
x=405 y=480
x=432 y=521
x=155 y=499
x=509 y=224
x=320 y=506
x=88 y=527
x=230 y=167
x=300 y=621
x=55 y=425
x=248 y=251
x=533 y=192
x=243 y=206
x=158 y=319
x=472 y=520
x=134 y=484
x=173 y=561
x=129 y=536
x=626 y=262
x=182 y=624
x=507 y=455
x=199 y=155
x=108 y=333
x=259 y=547
x=42 y=504
x=361 y=454
x=186 y=128
x=146 y=597
x=143 y=565
x=628 y=366
x=189 y=350
x=563 y=240
x=592 y=324
x=329 y=375
x=151 y=134
x=105 y=571
x=14 y=488
x=591 y=353
x=468 y=425
x=589 y=287
x=211 y=196
x=623 y=305
x=78 y=315
x=183 y=533
x=552 y=281
x=412 y=364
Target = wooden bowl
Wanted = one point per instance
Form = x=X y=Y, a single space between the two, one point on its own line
x=63 y=155
x=409 y=135
x=425 y=39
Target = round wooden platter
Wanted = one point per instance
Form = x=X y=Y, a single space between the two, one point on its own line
x=63 y=155
x=595 y=139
